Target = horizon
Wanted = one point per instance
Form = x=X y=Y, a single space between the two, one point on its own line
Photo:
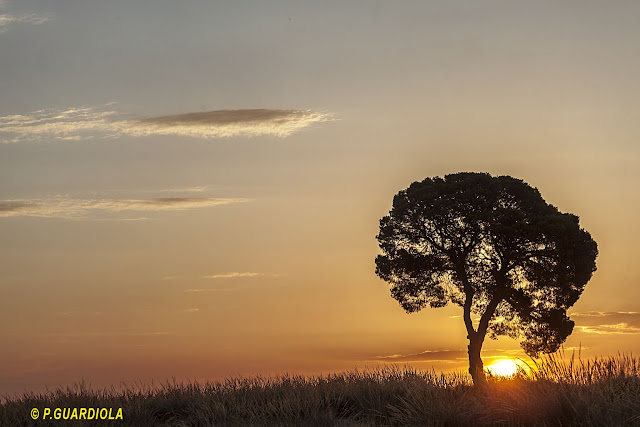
x=194 y=191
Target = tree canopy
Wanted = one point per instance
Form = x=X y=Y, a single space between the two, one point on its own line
x=493 y=246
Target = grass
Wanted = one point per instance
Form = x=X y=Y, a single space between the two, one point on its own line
x=555 y=392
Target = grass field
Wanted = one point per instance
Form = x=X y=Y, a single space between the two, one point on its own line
x=556 y=392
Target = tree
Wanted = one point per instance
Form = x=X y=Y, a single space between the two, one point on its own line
x=493 y=246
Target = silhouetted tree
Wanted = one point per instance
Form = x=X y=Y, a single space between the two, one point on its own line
x=493 y=246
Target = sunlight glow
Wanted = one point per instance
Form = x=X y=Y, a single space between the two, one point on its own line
x=503 y=368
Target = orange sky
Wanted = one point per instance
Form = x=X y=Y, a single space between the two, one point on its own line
x=140 y=242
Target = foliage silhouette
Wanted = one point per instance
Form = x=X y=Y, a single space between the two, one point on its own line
x=493 y=246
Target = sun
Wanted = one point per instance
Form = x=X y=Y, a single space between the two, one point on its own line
x=503 y=368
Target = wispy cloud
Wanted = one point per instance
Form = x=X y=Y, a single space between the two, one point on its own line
x=227 y=123
x=197 y=189
x=617 y=329
x=424 y=356
x=75 y=208
x=86 y=123
x=140 y=218
x=447 y=355
x=233 y=275
x=227 y=287
x=224 y=281
x=190 y=310
x=6 y=19
x=608 y=322
x=70 y=124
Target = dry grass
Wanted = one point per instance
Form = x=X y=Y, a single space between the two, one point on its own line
x=596 y=392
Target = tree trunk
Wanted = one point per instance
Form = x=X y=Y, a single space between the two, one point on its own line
x=476 y=368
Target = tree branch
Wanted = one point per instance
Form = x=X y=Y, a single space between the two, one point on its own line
x=467 y=314
x=468 y=297
x=487 y=315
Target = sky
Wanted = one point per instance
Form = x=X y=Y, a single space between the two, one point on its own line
x=192 y=190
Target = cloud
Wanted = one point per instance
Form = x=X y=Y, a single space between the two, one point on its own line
x=448 y=355
x=617 y=329
x=424 y=356
x=141 y=218
x=74 y=208
x=86 y=123
x=607 y=322
x=197 y=189
x=190 y=310
x=220 y=288
x=223 y=284
x=70 y=124
x=7 y=19
x=227 y=123
x=233 y=275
